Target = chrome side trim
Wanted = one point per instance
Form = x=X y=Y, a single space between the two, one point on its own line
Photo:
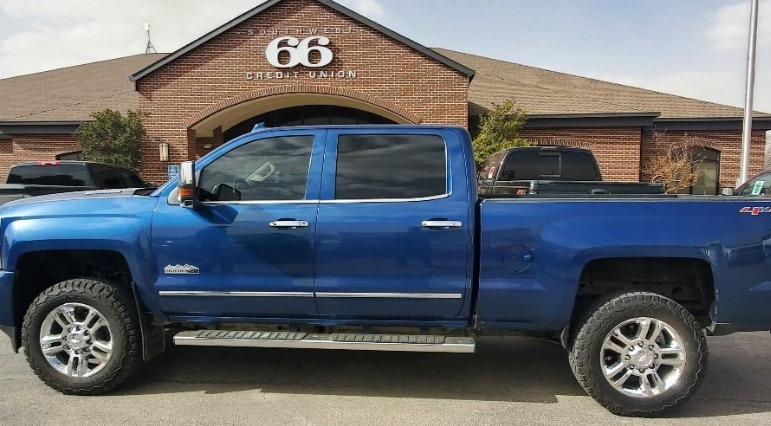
x=261 y=202
x=167 y=293
x=355 y=342
x=391 y=295
x=373 y=200
x=236 y=293
x=388 y=200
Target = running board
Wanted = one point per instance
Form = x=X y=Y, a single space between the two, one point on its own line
x=354 y=342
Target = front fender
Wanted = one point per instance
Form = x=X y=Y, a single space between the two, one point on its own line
x=127 y=235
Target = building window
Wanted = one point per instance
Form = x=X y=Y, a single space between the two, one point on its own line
x=708 y=166
x=306 y=115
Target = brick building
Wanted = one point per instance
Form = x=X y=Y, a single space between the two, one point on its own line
x=314 y=62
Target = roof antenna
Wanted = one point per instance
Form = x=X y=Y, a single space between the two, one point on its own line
x=150 y=48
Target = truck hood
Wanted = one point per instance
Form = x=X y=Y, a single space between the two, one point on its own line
x=90 y=194
x=85 y=203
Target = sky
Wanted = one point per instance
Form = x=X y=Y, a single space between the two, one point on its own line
x=692 y=48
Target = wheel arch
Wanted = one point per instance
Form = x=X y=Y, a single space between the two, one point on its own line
x=688 y=280
x=30 y=279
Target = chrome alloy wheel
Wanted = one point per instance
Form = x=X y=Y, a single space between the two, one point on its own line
x=643 y=357
x=76 y=340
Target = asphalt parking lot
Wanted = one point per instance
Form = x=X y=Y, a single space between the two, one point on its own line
x=508 y=381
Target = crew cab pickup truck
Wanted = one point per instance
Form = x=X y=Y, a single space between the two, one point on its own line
x=551 y=170
x=374 y=238
x=36 y=178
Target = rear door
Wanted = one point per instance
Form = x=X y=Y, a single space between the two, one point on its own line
x=392 y=238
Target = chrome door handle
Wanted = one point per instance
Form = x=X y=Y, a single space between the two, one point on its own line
x=441 y=224
x=289 y=224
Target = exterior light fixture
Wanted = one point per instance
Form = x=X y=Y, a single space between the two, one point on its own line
x=163 y=151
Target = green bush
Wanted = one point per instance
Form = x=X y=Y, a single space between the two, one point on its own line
x=112 y=138
x=499 y=130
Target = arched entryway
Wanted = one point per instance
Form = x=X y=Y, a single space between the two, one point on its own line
x=289 y=105
x=306 y=115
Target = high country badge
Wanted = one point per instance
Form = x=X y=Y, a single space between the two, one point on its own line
x=180 y=269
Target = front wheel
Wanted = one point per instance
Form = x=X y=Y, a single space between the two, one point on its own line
x=82 y=336
x=639 y=354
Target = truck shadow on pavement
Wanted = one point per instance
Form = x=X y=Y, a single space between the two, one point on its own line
x=502 y=370
x=512 y=369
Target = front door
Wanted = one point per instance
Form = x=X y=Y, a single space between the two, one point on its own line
x=247 y=249
x=392 y=240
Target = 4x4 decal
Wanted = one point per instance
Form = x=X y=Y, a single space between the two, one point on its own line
x=755 y=210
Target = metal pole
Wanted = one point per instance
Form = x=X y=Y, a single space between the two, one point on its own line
x=747 y=126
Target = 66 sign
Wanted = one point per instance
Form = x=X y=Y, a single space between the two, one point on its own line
x=299 y=51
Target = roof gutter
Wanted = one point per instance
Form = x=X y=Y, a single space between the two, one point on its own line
x=696 y=124
x=553 y=121
x=12 y=128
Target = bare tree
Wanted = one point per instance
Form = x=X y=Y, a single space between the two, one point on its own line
x=675 y=166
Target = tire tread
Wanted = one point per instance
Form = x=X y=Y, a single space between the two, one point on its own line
x=591 y=322
x=121 y=302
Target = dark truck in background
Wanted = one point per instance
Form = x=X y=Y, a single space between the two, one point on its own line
x=36 y=178
x=551 y=170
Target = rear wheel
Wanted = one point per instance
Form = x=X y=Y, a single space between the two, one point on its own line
x=639 y=354
x=82 y=336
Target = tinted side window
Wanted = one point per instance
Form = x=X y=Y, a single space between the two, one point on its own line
x=390 y=167
x=490 y=168
x=62 y=174
x=113 y=177
x=264 y=170
x=761 y=185
x=131 y=179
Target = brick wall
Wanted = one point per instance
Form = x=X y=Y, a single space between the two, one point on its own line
x=386 y=71
x=617 y=149
x=728 y=143
x=33 y=148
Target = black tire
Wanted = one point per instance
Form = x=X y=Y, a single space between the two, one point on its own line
x=626 y=315
x=120 y=329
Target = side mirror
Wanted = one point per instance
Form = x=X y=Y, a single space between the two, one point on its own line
x=188 y=191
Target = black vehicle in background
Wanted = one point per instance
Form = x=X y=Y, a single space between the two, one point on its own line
x=49 y=177
x=551 y=170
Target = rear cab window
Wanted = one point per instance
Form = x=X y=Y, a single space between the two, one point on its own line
x=51 y=174
x=579 y=165
x=549 y=164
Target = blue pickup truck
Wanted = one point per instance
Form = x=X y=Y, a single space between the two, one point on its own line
x=374 y=238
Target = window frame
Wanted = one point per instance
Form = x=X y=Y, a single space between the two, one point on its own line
x=765 y=177
x=333 y=160
x=306 y=198
x=706 y=152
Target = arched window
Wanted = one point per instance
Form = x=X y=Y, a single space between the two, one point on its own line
x=307 y=115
